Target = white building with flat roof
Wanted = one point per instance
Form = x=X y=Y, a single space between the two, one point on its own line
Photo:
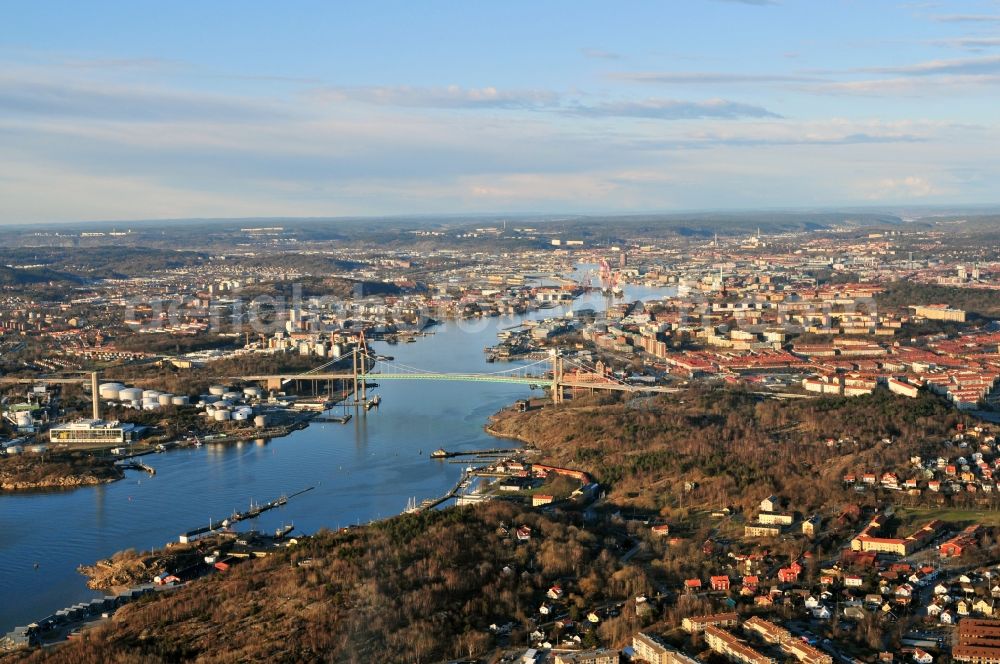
x=93 y=432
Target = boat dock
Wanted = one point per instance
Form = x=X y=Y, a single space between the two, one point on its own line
x=339 y=419
x=254 y=511
x=430 y=503
x=442 y=453
x=137 y=465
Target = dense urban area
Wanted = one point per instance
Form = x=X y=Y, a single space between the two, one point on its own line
x=762 y=438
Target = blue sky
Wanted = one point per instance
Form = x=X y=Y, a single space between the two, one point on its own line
x=130 y=110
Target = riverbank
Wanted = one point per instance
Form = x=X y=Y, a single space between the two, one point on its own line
x=73 y=470
x=355 y=592
x=37 y=473
x=131 y=568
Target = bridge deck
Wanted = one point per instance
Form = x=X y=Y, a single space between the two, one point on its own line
x=466 y=377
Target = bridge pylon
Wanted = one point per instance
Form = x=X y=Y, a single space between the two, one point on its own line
x=557 y=377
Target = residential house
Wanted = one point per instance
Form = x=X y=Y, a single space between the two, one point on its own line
x=720 y=583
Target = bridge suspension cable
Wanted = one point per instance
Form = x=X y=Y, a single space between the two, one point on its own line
x=399 y=367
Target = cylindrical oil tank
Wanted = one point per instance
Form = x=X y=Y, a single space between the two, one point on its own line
x=222 y=415
x=253 y=392
x=110 y=391
x=150 y=394
x=130 y=394
x=217 y=390
x=260 y=421
x=180 y=401
x=239 y=415
x=165 y=399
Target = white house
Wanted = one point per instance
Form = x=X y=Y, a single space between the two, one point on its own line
x=821 y=613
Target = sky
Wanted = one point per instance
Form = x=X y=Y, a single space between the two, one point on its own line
x=138 y=110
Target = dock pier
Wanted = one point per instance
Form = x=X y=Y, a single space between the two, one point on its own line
x=445 y=454
x=254 y=511
x=431 y=503
x=137 y=465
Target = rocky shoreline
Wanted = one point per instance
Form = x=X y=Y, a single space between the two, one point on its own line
x=22 y=474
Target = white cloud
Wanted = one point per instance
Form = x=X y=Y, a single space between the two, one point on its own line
x=907 y=86
x=902 y=188
x=675 y=109
x=982 y=65
x=600 y=54
x=452 y=96
x=968 y=18
x=708 y=77
x=22 y=96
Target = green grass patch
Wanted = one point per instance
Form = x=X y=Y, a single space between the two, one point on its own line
x=914 y=516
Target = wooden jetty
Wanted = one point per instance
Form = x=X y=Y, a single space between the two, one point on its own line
x=430 y=503
x=442 y=453
x=137 y=465
x=254 y=511
x=339 y=419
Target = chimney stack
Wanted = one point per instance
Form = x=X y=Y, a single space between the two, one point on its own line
x=95 y=395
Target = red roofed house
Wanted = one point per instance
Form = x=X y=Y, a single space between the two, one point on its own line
x=789 y=574
x=720 y=583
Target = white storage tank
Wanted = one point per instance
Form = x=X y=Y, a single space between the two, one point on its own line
x=260 y=421
x=222 y=415
x=180 y=401
x=253 y=392
x=217 y=390
x=130 y=394
x=150 y=394
x=165 y=399
x=110 y=391
x=240 y=416
x=150 y=403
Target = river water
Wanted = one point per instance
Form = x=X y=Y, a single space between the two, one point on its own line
x=365 y=469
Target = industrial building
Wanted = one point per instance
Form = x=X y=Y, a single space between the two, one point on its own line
x=94 y=432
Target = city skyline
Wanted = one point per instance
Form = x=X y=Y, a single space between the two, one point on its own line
x=110 y=111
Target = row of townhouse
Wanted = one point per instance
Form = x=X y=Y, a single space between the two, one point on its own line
x=729 y=646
